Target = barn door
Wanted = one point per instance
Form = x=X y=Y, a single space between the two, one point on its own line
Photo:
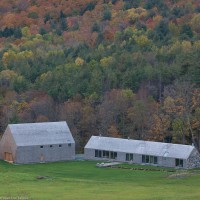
x=41 y=158
x=8 y=157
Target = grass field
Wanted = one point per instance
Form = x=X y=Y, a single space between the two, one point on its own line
x=82 y=180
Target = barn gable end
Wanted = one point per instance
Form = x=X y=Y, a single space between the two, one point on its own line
x=8 y=146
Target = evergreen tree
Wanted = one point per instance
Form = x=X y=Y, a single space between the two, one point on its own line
x=17 y=33
x=186 y=32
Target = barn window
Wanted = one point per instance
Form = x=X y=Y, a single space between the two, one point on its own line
x=106 y=154
x=41 y=147
x=51 y=146
x=129 y=156
x=179 y=162
x=60 y=145
x=113 y=155
x=98 y=153
x=155 y=160
x=69 y=145
x=143 y=158
x=149 y=159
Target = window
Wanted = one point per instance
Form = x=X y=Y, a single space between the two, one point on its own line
x=143 y=158
x=98 y=153
x=129 y=156
x=105 y=154
x=179 y=162
x=155 y=160
x=41 y=147
x=149 y=159
x=51 y=146
x=113 y=155
x=69 y=145
x=60 y=145
x=146 y=159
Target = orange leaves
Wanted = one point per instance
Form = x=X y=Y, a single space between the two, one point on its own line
x=10 y=20
x=159 y=127
x=113 y=132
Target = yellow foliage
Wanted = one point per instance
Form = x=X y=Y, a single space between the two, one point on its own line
x=157 y=18
x=169 y=104
x=8 y=74
x=176 y=47
x=22 y=106
x=100 y=47
x=197 y=45
x=26 y=32
x=79 y=61
x=143 y=41
x=196 y=23
x=8 y=56
x=44 y=76
x=106 y=61
x=128 y=93
x=186 y=46
x=25 y=54
x=132 y=15
x=140 y=10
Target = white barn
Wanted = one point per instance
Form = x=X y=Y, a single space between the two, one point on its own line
x=37 y=142
x=142 y=152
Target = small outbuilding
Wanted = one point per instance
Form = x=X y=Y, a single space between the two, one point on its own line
x=142 y=152
x=37 y=142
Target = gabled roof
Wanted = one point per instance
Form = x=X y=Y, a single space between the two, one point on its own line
x=41 y=133
x=140 y=147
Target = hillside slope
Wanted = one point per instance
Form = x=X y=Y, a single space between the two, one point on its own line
x=120 y=67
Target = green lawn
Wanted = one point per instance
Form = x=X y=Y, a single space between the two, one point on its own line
x=82 y=180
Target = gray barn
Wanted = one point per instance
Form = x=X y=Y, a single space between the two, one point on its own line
x=37 y=142
x=142 y=152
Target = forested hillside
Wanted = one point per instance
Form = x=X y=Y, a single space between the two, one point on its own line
x=122 y=68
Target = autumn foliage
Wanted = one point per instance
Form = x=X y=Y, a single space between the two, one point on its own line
x=119 y=68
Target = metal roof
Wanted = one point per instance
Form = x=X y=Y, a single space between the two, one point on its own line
x=41 y=133
x=140 y=147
